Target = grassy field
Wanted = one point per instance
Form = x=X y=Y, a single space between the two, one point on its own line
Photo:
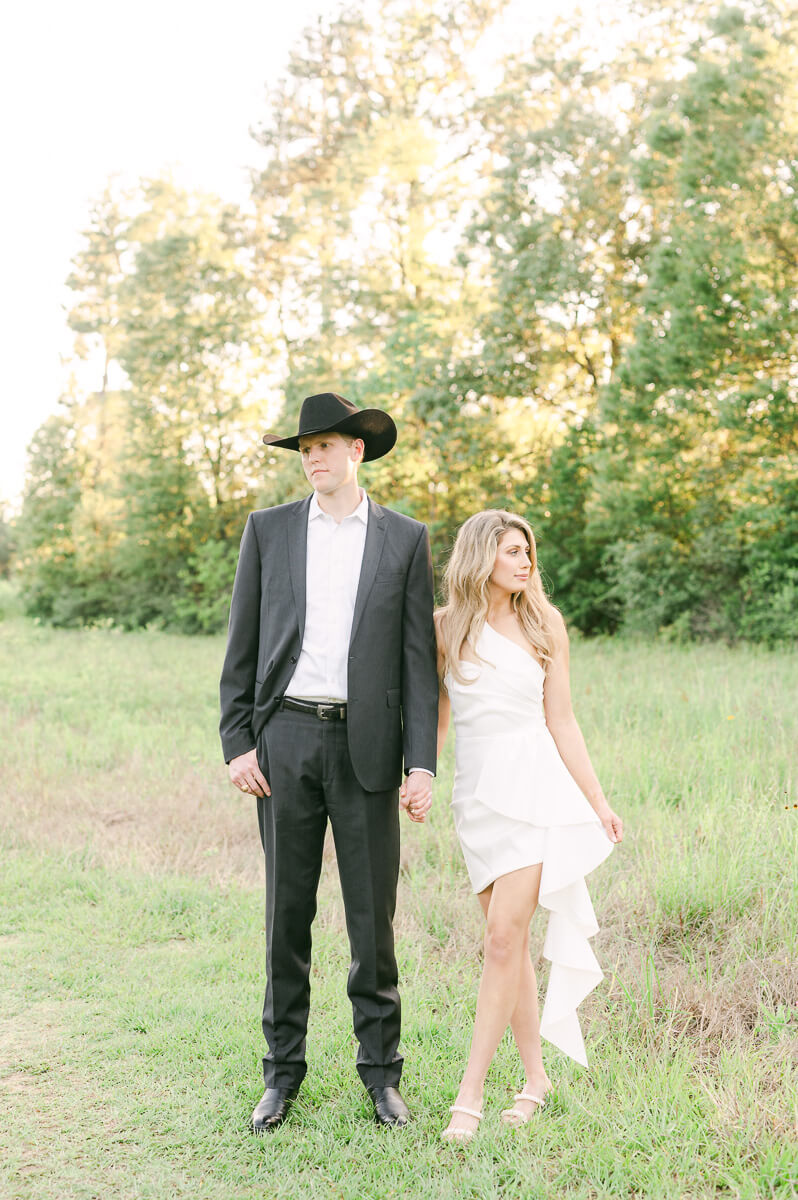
x=131 y=948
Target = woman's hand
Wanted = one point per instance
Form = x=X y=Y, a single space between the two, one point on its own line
x=612 y=823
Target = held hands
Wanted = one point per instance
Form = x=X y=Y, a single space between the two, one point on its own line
x=246 y=775
x=415 y=795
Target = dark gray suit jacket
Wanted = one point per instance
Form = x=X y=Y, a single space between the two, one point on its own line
x=393 y=688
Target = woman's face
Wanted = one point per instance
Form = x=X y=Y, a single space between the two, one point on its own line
x=513 y=563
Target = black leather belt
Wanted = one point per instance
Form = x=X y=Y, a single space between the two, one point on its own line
x=325 y=712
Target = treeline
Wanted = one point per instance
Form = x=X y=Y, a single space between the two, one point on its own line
x=571 y=276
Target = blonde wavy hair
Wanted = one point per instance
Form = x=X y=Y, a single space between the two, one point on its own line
x=467 y=590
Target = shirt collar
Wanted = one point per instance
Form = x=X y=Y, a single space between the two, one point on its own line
x=361 y=513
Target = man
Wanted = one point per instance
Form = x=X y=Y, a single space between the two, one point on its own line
x=329 y=684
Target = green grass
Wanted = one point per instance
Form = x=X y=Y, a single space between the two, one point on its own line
x=131 y=948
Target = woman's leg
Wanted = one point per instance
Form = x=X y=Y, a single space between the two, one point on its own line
x=525 y=1024
x=510 y=906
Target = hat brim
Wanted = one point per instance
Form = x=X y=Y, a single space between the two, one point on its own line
x=374 y=426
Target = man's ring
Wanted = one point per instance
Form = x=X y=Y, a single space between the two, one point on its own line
x=244 y=787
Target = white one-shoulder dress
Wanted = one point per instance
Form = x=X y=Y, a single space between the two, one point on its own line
x=515 y=804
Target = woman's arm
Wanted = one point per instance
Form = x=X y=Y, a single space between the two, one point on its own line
x=444 y=712
x=444 y=704
x=564 y=728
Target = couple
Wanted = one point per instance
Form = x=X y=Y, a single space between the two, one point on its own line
x=331 y=684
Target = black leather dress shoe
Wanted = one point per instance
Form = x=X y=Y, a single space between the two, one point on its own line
x=272 y=1108
x=389 y=1107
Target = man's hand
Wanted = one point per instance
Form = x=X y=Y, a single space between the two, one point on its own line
x=415 y=795
x=246 y=774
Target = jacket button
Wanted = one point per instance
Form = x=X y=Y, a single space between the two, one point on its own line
x=292 y=659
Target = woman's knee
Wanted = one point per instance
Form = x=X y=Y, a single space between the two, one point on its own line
x=504 y=941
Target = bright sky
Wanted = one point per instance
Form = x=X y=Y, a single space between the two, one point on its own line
x=91 y=88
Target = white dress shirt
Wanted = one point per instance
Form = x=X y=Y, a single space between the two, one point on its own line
x=334 y=558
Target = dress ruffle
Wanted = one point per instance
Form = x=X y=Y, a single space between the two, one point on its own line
x=571 y=852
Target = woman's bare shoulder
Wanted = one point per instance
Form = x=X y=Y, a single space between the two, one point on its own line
x=556 y=624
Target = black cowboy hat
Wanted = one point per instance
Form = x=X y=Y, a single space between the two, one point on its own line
x=330 y=413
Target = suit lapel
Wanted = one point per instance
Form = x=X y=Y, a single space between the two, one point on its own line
x=297 y=535
x=372 y=553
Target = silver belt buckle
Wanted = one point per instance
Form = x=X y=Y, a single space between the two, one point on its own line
x=324 y=711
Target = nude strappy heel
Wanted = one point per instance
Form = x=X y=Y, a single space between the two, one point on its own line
x=461 y=1135
x=513 y=1116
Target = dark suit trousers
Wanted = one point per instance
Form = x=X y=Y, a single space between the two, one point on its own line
x=307 y=764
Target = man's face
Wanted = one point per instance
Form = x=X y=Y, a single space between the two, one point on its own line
x=329 y=460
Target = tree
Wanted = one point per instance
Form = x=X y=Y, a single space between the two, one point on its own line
x=704 y=405
x=192 y=351
x=369 y=144
x=8 y=544
x=161 y=449
x=51 y=497
x=575 y=292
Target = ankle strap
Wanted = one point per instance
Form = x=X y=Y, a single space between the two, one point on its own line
x=469 y=1112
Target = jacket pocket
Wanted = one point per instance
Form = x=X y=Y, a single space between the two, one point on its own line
x=393 y=697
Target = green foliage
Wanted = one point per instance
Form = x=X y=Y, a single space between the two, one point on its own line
x=575 y=291
x=702 y=416
x=574 y=559
x=10 y=604
x=203 y=605
x=52 y=495
x=127 y=485
x=8 y=545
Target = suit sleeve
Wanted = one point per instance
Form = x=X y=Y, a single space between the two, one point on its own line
x=419 y=662
x=237 y=685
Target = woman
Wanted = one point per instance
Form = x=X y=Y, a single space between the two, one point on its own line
x=530 y=813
